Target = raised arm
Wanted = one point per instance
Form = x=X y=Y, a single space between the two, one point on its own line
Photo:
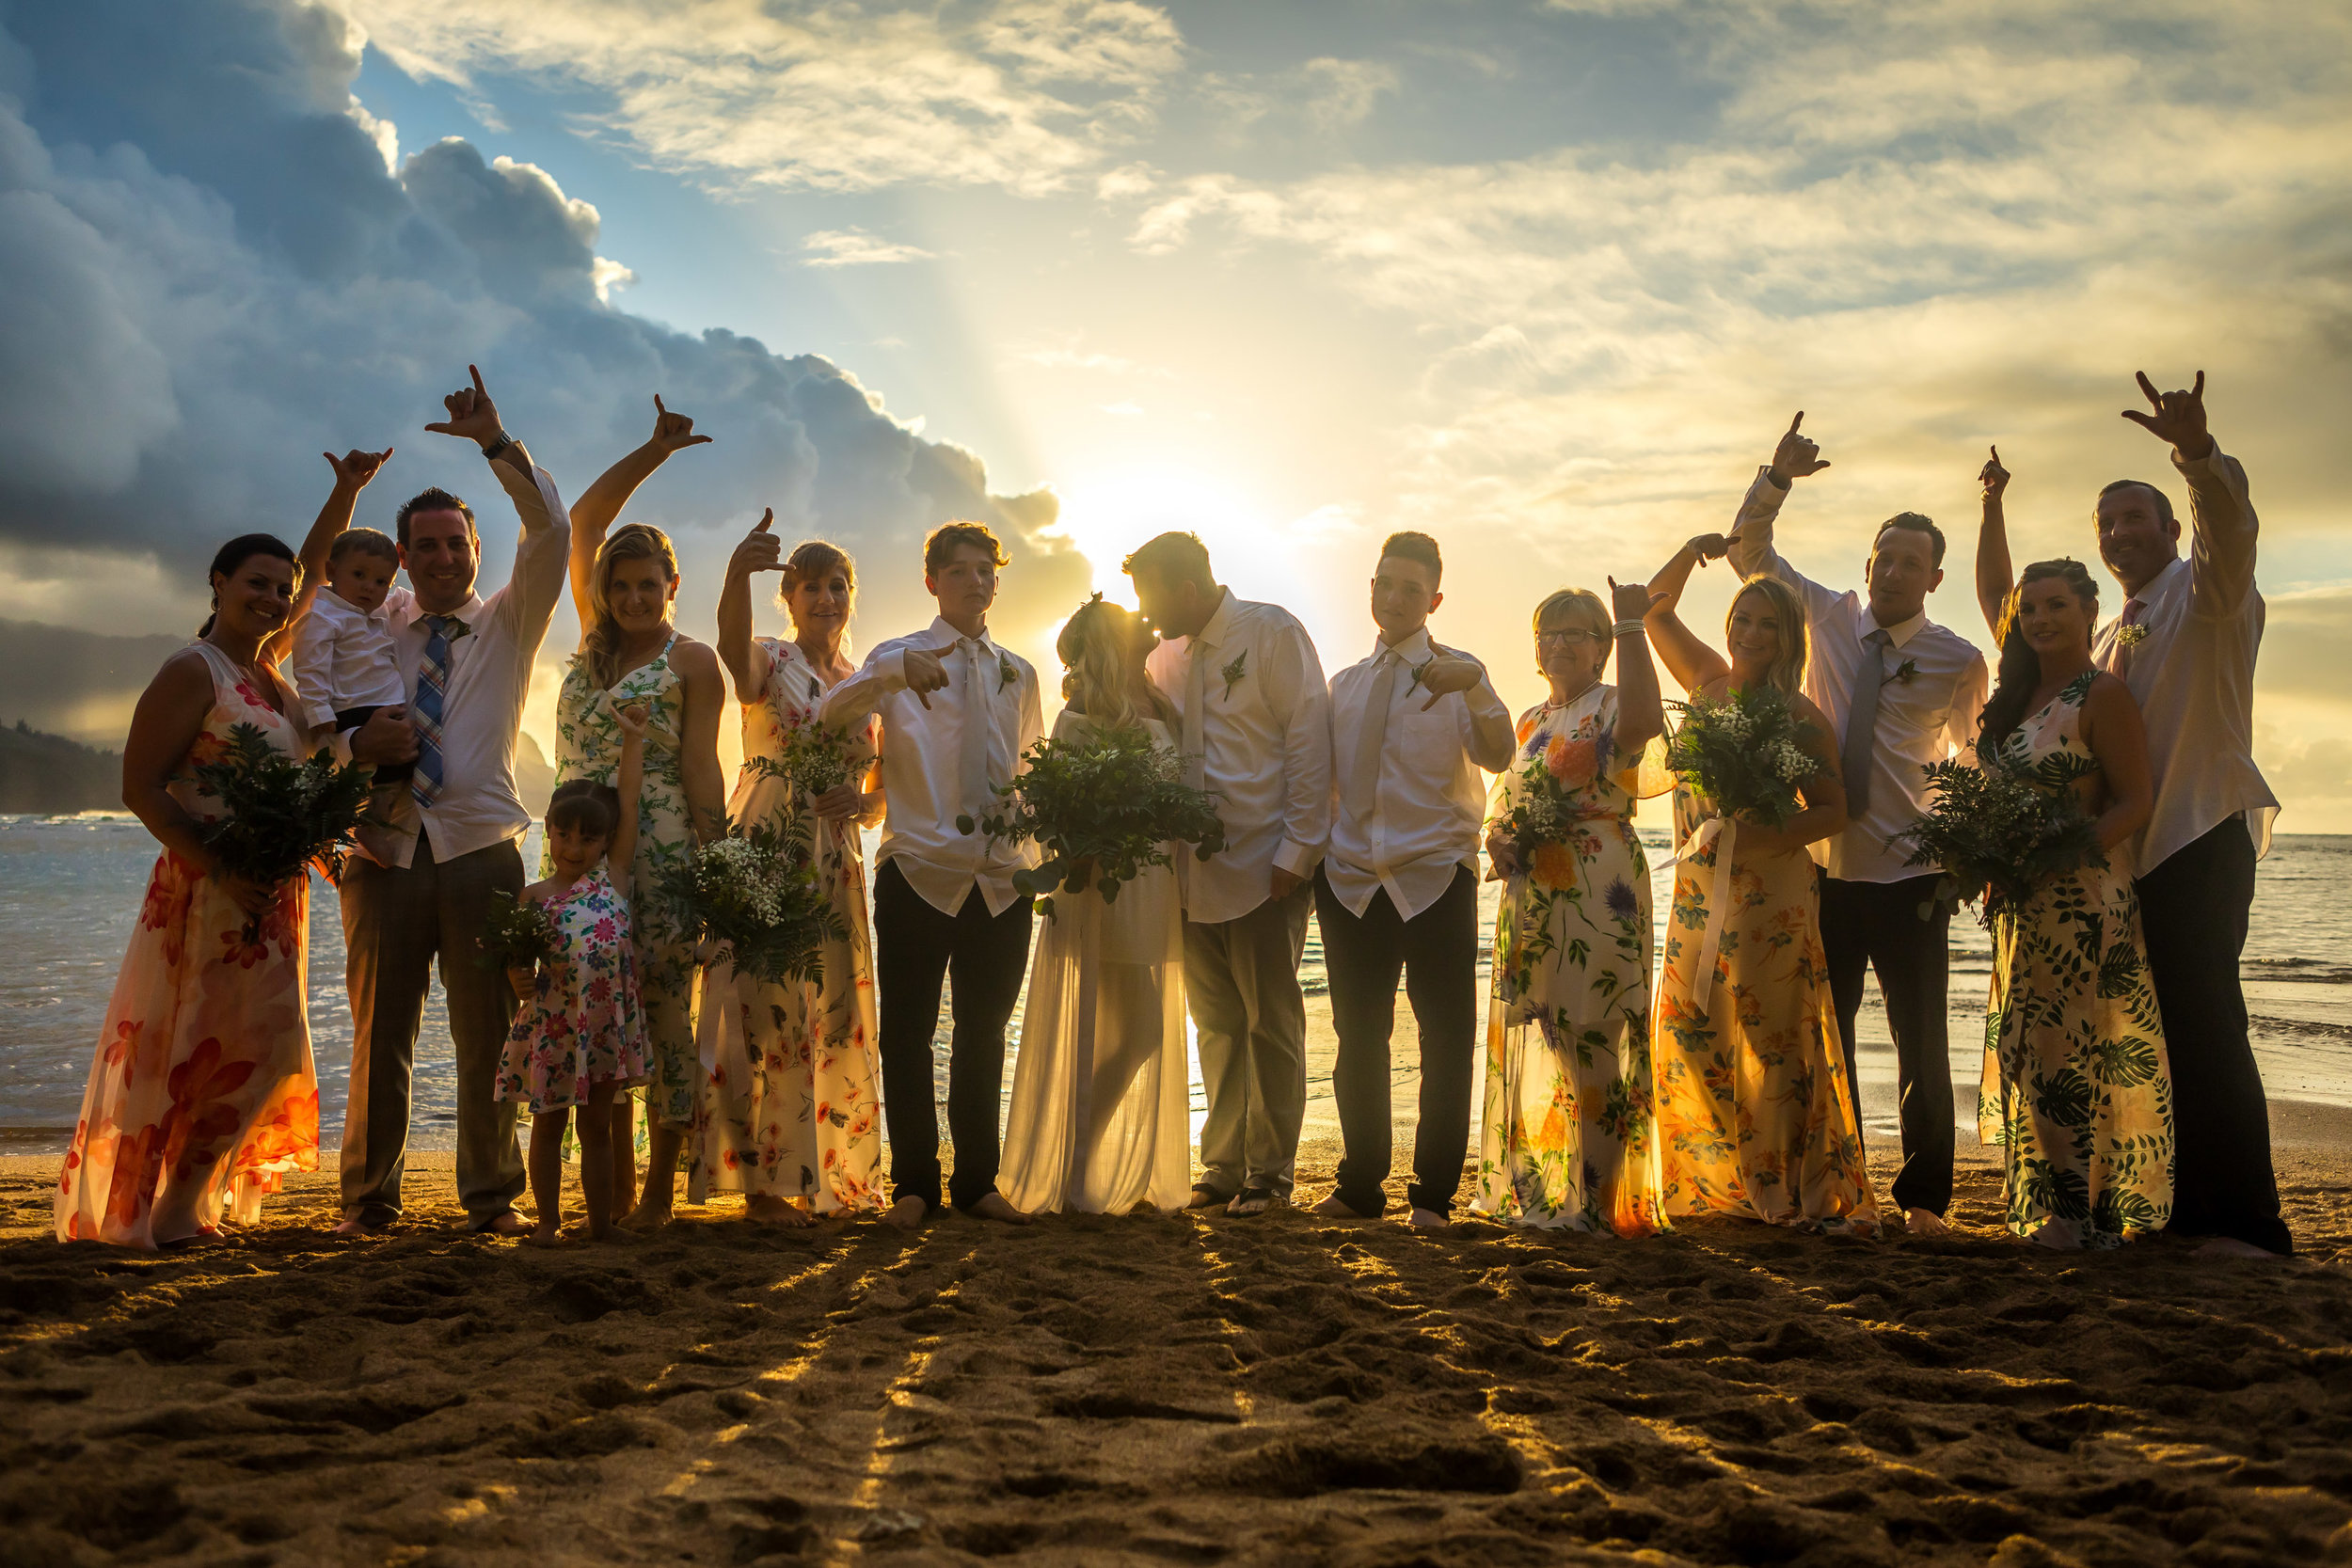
x=531 y=592
x=1994 y=576
x=620 y=855
x=1795 y=456
x=761 y=551
x=351 y=472
x=1687 y=659
x=1640 y=714
x=2221 y=512
x=592 y=514
x=2118 y=736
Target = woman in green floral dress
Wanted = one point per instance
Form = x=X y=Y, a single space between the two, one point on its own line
x=2077 y=1090
x=625 y=588
x=1571 y=1138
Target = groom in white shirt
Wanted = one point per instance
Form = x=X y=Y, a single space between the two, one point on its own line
x=1412 y=725
x=1255 y=732
x=959 y=715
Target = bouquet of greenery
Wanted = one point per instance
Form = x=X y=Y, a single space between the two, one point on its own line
x=283 y=816
x=1743 y=750
x=815 y=760
x=2001 y=831
x=1541 y=811
x=757 y=891
x=517 y=935
x=1101 y=807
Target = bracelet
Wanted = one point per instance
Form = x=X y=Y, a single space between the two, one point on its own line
x=1624 y=626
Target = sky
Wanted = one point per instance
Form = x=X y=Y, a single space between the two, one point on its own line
x=1543 y=279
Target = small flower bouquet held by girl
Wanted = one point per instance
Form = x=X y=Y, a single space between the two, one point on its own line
x=283 y=816
x=1744 y=752
x=2000 y=832
x=755 y=890
x=517 y=935
x=815 y=759
x=1101 y=808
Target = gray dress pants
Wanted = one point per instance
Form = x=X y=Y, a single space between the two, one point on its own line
x=396 y=924
x=1242 y=979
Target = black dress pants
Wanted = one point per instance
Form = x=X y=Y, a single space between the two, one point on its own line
x=1876 y=927
x=915 y=947
x=1437 y=952
x=2193 y=909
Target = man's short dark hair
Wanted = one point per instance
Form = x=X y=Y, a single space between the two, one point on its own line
x=1912 y=522
x=1410 y=545
x=940 y=548
x=1172 y=558
x=2163 y=502
x=435 y=499
x=361 y=541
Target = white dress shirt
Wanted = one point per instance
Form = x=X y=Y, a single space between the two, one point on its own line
x=1924 y=716
x=1262 y=739
x=2192 y=671
x=1429 y=797
x=489 y=678
x=344 y=657
x=922 y=760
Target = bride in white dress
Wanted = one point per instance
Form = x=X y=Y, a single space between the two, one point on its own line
x=1101 y=1093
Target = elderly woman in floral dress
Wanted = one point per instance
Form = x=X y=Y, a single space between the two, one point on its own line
x=1570 y=1139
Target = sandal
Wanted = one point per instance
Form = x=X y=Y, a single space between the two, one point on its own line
x=1251 y=1200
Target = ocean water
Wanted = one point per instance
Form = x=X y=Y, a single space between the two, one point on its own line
x=71 y=887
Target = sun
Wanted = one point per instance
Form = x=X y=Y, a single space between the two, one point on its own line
x=1107 y=512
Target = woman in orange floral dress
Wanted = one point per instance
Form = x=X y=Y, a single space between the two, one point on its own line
x=1751 y=1087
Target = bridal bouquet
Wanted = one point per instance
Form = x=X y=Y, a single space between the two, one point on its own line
x=1744 y=752
x=815 y=760
x=1101 y=807
x=755 y=890
x=2000 y=832
x=283 y=816
x=517 y=935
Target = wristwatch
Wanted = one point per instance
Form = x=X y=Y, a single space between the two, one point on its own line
x=495 y=448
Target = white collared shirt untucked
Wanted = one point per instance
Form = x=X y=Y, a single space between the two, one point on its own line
x=344 y=657
x=1265 y=750
x=1931 y=691
x=1429 y=792
x=2192 y=670
x=923 y=760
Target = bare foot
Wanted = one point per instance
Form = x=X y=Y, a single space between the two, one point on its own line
x=2230 y=1246
x=906 y=1214
x=544 y=1235
x=768 y=1209
x=2057 y=1237
x=1209 y=1198
x=1250 y=1201
x=1427 y=1219
x=357 y=1228
x=504 y=1223
x=1925 y=1222
x=994 y=1206
x=645 y=1217
x=1332 y=1209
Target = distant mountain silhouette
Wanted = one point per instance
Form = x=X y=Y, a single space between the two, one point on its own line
x=49 y=774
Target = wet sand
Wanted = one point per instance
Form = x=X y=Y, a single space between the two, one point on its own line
x=1171 y=1388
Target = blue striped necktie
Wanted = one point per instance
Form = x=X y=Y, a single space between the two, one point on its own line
x=425 y=712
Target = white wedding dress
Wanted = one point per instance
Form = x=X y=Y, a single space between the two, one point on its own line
x=1102 y=1090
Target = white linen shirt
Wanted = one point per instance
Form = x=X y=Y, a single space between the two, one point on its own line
x=2192 y=671
x=922 y=757
x=1265 y=739
x=489 y=678
x=344 y=657
x=1429 y=799
x=1928 y=716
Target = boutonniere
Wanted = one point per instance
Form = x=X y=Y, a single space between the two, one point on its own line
x=1419 y=671
x=2131 y=636
x=1005 y=674
x=1233 y=673
x=1905 y=672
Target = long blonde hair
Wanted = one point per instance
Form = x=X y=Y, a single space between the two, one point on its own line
x=600 y=647
x=1786 y=672
x=1097 y=650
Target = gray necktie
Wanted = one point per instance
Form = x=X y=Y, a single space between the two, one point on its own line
x=976 y=717
x=1372 y=733
x=1862 y=721
x=1195 y=716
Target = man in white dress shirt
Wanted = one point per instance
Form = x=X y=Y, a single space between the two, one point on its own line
x=959 y=715
x=2185 y=644
x=1900 y=692
x=1412 y=725
x=421 y=888
x=1255 y=732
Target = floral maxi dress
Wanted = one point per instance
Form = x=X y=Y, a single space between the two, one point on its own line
x=791 y=1070
x=202 y=1094
x=1752 y=1092
x=1570 y=1134
x=584 y=1026
x=588 y=746
x=2077 y=1086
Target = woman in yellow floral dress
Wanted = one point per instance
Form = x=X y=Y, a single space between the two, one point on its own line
x=2077 y=1087
x=1570 y=1137
x=1752 y=1089
x=625 y=587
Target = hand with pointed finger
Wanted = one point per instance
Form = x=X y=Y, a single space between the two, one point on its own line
x=471 y=413
x=354 y=468
x=1707 y=547
x=761 y=551
x=633 y=720
x=1446 y=674
x=1993 y=476
x=1796 y=457
x=2179 y=417
x=926 y=672
x=671 y=432
x=1629 y=601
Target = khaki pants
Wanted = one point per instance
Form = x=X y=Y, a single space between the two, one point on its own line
x=396 y=924
x=1241 y=977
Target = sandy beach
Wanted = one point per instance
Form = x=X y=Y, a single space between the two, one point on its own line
x=1174 y=1388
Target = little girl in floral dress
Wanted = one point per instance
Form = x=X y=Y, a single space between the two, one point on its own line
x=579 y=1035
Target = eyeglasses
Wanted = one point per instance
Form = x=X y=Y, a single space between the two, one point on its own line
x=1572 y=637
